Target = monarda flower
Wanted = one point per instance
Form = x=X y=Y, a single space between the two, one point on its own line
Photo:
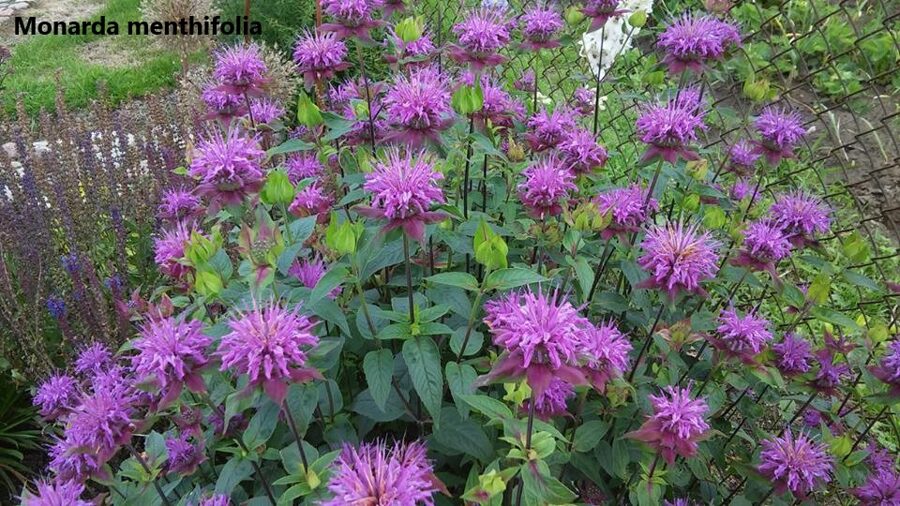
x=303 y=165
x=690 y=41
x=498 y=108
x=101 y=423
x=353 y=18
x=56 y=396
x=678 y=258
x=269 y=344
x=380 y=475
x=668 y=129
x=549 y=129
x=171 y=353
x=888 y=370
x=404 y=187
x=792 y=355
x=583 y=101
x=541 y=335
x=222 y=105
x=310 y=200
x=881 y=488
x=580 y=152
x=169 y=251
x=742 y=337
x=526 y=82
x=780 y=131
x=741 y=190
x=481 y=34
x=215 y=500
x=417 y=107
x=547 y=182
x=765 y=244
x=601 y=11
x=552 y=403
x=228 y=167
x=241 y=70
x=184 y=456
x=830 y=375
x=416 y=52
x=605 y=352
x=93 y=359
x=264 y=111
x=318 y=56
x=56 y=493
x=179 y=204
x=798 y=464
x=309 y=271
x=802 y=216
x=676 y=425
x=742 y=158
x=69 y=461
x=540 y=25
x=628 y=207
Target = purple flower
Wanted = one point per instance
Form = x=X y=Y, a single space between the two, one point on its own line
x=184 y=456
x=264 y=111
x=629 y=208
x=101 y=423
x=404 y=188
x=583 y=101
x=690 y=41
x=581 y=153
x=169 y=250
x=56 y=307
x=56 y=396
x=318 y=56
x=228 y=167
x=548 y=129
x=743 y=337
x=353 y=18
x=69 y=462
x=547 y=182
x=481 y=35
x=541 y=335
x=417 y=107
x=56 y=493
x=781 y=131
x=171 y=353
x=882 y=488
x=526 y=82
x=240 y=69
x=552 y=402
x=680 y=502
x=416 y=52
x=378 y=474
x=678 y=257
x=601 y=11
x=540 y=26
x=303 y=165
x=179 y=204
x=888 y=370
x=70 y=263
x=743 y=190
x=669 y=128
x=797 y=464
x=676 y=425
x=830 y=375
x=742 y=157
x=812 y=418
x=222 y=105
x=498 y=106
x=309 y=271
x=605 y=350
x=310 y=200
x=215 y=500
x=802 y=215
x=765 y=244
x=93 y=359
x=792 y=355
x=269 y=344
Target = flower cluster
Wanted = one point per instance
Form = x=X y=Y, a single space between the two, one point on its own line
x=676 y=425
x=795 y=463
x=669 y=128
x=678 y=258
x=691 y=40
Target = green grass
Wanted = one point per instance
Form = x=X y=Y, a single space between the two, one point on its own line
x=37 y=60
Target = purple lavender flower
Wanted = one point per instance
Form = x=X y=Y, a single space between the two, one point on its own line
x=498 y=106
x=605 y=351
x=781 y=131
x=404 y=188
x=526 y=82
x=311 y=200
x=627 y=208
x=581 y=153
x=353 y=18
x=601 y=11
x=241 y=70
x=101 y=423
x=678 y=258
x=797 y=464
x=303 y=165
x=318 y=56
x=56 y=396
x=70 y=263
x=812 y=418
x=690 y=41
x=184 y=456
x=881 y=488
x=669 y=128
x=269 y=344
x=93 y=359
x=417 y=107
x=69 y=462
x=792 y=355
x=171 y=353
x=56 y=493
x=169 y=250
x=179 y=204
x=676 y=425
x=830 y=375
x=547 y=183
x=222 y=105
x=375 y=473
x=552 y=403
x=549 y=129
x=215 y=500
x=742 y=158
x=481 y=35
x=765 y=244
x=309 y=271
x=228 y=167
x=56 y=306
x=583 y=101
x=888 y=370
x=742 y=337
x=264 y=111
x=802 y=215
x=541 y=24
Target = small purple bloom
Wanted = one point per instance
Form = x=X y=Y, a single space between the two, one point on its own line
x=318 y=56
x=526 y=82
x=416 y=52
x=264 y=111
x=742 y=158
x=69 y=462
x=215 y=500
x=309 y=271
x=228 y=167
x=549 y=129
x=547 y=183
x=498 y=106
x=765 y=244
x=303 y=165
x=690 y=41
x=581 y=153
x=802 y=215
x=888 y=370
x=629 y=208
x=56 y=396
x=241 y=70
x=601 y=11
x=741 y=189
x=678 y=258
x=552 y=402
x=668 y=129
x=310 y=200
x=798 y=464
x=541 y=24
x=184 y=456
x=481 y=35
x=179 y=204
x=93 y=359
x=792 y=355
x=676 y=425
x=742 y=337
x=605 y=351
x=583 y=101
x=223 y=105
x=812 y=418
x=882 y=488
x=171 y=353
x=353 y=18
x=56 y=493
x=101 y=423
x=417 y=107
x=830 y=375
x=169 y=250
x=56 y=307
x=70 y=263
x=781 y=131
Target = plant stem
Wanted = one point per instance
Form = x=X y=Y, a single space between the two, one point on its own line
x=472 y=315
x=465 y=186
x=143 y=463
x=412 y=307
x=259 y=474
x=529 y=429
x=865 y=432
x=293 y=425
x=604 y=259
x=362 y=71
x=646 y=344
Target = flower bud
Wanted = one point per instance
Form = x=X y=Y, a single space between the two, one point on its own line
x=637 y=19
x=756 y=89
x=697 y=169
x=573 y=15
x=308 y=113
x=278 y=188
x=409 y=30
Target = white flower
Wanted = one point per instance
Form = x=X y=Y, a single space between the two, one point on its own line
x=602 y=47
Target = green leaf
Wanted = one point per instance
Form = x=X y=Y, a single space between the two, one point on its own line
x=588 y=435
x=233 y=473
x=365 y=405
x=861 y=280
x=262 y=425
x=462 y=280
x=424 y=363
x=331 y=280
x=460 y=378
x=464 y=435
x=504 y=279
x=291 y=146
x=819 y=289
x=476 y=340
x=378 y=367
x=835 y=318
x=488 y=406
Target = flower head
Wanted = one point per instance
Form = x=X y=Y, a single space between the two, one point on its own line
x=601 y=11
x=376 y=474
x=404 y=187
x=318 y=56
x=526 y=82
x=269 y=344
x=583 y=101
x=741 y=190
x=882 y=488
x=184 y=456
x=676 y=425
x=70 y=462
x=540 y=24
x=353 y=18
x=690 y=41
x=581 y=153
x=264 y=111
x=56 y=396
x=605 y=351
x=179 y=204
x=831 y=374
x=742 y=157
x=797 y=464
x=482 y=34
x=668 y=129
x=498 y=106
x=743 y=337
x=228 y=166
x=552 y=402
x=549 y=129
x=802 y=215
x=169 y=250
x=93 y=359
x=310 y=200
x=303 y=165
x=56 y=493
x=309 y=271
x=888 y=370
x=215 y=500
x=792 y=355
x=241 y=69
x=417 y=107
x=416 y=52
x=765 y=244
x=678 y=257
x=547 y=182
x=56 y=306
x=222 y=105
x=629 y=208
x=101 y=423
x=781 y=131
x=171 y=353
